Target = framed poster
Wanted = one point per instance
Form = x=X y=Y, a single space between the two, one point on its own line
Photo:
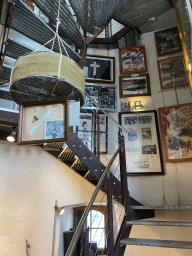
x=132 y=60
x=172 y=72
x=105 y=96
x=168 y=41
x=142 y=143
x=99 y=69
x=43 y=122
x=176 y=130
x=132 y=86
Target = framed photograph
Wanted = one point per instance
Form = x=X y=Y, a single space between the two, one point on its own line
x=142 y=143
x=132 y=86
x=168 y=41
x=132 y=60
x=86 y=138
x=125 y=106
x=176 y=131
x=172 y=72
x=104 y=95
x=85 y=122
x=43 y=122
x=99 y=69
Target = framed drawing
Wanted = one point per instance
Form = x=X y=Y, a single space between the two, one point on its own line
x=142 y=143
x=132 y=60
x=105 y=96
x=131 y=86
x=172 y=72
x=176 y=130
x=43 y=122
x=99 y=69
x=168 y=41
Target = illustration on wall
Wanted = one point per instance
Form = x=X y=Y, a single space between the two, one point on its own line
x=172 y=72
x=130 y=86
x=168 y=41
x=99 y=69
x=176 y=130
x=132 y=60
x=142 y=143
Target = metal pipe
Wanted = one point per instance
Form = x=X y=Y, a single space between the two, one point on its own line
x=112 y=119
x=86 y=212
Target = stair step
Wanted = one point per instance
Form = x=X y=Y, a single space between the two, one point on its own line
x=165 y=207
x=159 y=223
x=67 y=154
x=157 y=243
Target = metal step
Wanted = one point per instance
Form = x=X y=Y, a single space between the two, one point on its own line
x=157 y=243
x=67 y=154
x=159 y=223
x=167 y=207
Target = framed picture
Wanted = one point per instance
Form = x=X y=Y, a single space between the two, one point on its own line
x=43 y=122
x=125 y=106
x=172 y=72
x=176 y=131
x=105 y=96
x=132 y=86
x=132 y=60
x=99 y=69
x=168 y=41
x=142 y=143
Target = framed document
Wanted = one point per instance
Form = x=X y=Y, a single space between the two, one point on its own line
x=172 y=72
x=43 y=122
x=142 y=143
x=99 y=69
x=168 y=41
x=131 y=86
x=132 y=60
x=176 y=130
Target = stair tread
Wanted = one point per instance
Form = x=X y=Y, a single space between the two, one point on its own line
x=159 y=223
x=157 y=243
x=158 y=207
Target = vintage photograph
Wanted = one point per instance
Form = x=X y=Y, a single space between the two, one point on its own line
x=168 y=41
x=102 y=123
x=142 y=143
x=99 y=69
x=176 y=129
x=125 y=106
x=132 y=60
x=130 y=86
x=85 y=122
x=86 y=138
x=146 y=133
x=54 y=129
x=105 y=96
x=172 y=72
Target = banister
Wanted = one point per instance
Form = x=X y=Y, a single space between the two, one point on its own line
x=86 y=212
x=104 y=112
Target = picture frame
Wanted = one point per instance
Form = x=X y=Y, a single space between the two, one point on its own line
x=43 y=122
x=168 y=41
x=132 y=60
x=172 y=72
x=142 y=143
x=175 y=124
x=104 y=95
x=100 y=69
x=134 y=86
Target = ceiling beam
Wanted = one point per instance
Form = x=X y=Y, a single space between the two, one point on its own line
x=171 y=3
x=135 y=28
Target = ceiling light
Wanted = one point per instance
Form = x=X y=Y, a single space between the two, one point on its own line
x=60 y=210
x=11 y=137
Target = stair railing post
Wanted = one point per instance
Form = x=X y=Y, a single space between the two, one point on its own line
x=110 y=237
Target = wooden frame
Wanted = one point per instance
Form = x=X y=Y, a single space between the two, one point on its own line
x=176 y=131
x=94 y=72
x=168 y=41
x=135 y=85
x=173 y=74
x=142 y=143
x=132 y=60
x=32 y=116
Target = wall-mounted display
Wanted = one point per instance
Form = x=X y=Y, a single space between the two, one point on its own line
x=132 y=86
x=99 y=69
x=176 y=130
x=168 y=41
x=43 y=122
x=132 y=60
x=105 y=96
x=142 y=143
x=172 y=72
